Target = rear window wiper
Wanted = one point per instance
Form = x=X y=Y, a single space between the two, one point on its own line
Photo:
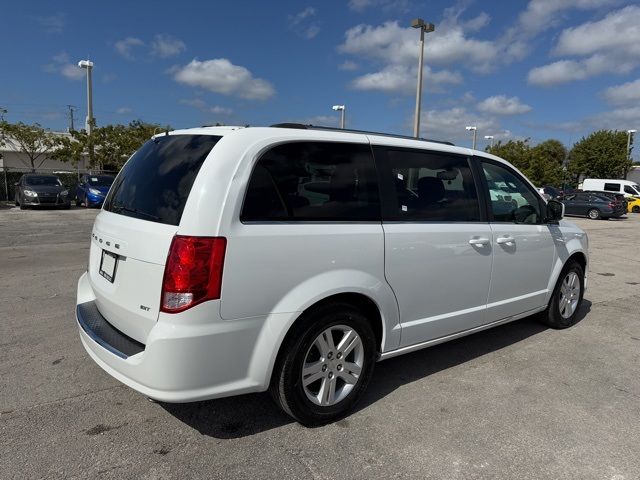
x=123 y=208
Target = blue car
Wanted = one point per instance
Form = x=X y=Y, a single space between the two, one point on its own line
x=92 y=190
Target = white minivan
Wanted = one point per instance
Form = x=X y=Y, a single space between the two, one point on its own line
x=291 y=258
x=624 y=187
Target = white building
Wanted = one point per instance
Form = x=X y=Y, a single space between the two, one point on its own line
x=12 y=158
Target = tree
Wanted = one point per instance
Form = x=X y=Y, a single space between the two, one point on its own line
x=542 y=164
x=516 y=152
x=33 y=143
x=546 y=165
x=603 y=154
x=112 y=144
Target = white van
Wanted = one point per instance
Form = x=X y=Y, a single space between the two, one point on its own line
x=232 y=260
x=625 y=187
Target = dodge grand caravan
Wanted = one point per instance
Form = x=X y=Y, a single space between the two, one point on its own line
x=231 y=260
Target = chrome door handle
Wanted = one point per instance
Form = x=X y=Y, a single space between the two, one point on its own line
x=505 y=240
x=479 y=241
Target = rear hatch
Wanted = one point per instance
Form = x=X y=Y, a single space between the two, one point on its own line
x=132 y=235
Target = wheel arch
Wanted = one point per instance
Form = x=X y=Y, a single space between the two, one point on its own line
x=362 y=302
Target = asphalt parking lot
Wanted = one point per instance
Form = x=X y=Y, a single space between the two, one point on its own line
x=519 y=401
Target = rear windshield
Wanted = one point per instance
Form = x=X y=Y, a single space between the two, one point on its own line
x=47 y=180
x=100 y=180
x=156 y=181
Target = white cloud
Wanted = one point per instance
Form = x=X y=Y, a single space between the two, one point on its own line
x=449 y=124
x=542 y=14
x=320 y=120
x=503 y=105
x=61 y=64
x=123 y=110
x=53 y=23
x=126 y=46
x=626 y=93
x=221 y=76
x=220 y=110
x=302 y=23
x=164 y=46
x=401 y=6
x=204 y=107
x=402 y=79
x=348 y=65
x=610 y=45
x=617 y=31
x=392 y=43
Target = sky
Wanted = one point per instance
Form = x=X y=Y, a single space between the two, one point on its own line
x=534 y=69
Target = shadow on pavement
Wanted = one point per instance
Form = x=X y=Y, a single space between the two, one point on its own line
x=244 y=415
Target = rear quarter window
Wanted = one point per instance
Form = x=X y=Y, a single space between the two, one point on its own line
x=156 y=181
x=313 y=181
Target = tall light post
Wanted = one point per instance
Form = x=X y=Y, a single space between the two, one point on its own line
x=490 y=138
x=475 y=131
x=89 y=66
x=424 y=28
x=629 y=135
x=341 y=109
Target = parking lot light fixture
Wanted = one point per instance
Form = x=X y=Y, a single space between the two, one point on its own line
x=473 y=129
x=490 y=138
x=341 y=109
x=88 y=65
x=424 y=28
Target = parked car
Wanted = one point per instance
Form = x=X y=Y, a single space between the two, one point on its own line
x=616 y=197
x=93 y=189
x=229 y=260
x=624 y=187
x=552 y=192
x=592 y=205
x=633 y=205
x=35 y=190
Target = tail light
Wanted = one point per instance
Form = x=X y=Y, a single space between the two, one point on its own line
x=193 y=273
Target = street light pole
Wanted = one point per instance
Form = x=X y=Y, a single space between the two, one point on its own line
x=340 y=108
x=629 y=135
x=424 y=28
x=89 y=66
x=475 y=131
x=489 y=137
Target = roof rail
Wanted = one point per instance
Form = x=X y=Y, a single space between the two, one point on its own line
x=302 y=126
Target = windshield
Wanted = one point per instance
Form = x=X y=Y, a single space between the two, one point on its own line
x=156 y=181
x=47 y=180
x=100 y=180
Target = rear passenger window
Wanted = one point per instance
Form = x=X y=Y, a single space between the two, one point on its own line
x=428 y=186
x=512 y=200
x=313 y=181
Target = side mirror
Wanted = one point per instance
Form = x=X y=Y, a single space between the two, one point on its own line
x=555 y=211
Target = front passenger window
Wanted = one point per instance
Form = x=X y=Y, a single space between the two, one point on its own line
x=512 y=200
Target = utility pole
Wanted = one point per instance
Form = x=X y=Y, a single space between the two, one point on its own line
x=71 y=110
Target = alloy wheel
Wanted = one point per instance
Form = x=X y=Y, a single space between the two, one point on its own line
x=332 y=365
x=569 y=295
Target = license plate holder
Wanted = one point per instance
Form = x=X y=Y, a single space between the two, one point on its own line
x=108 y=265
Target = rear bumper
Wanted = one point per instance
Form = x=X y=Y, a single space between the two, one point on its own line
x=184 y=359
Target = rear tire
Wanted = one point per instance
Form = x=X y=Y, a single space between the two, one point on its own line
x=594 y=214
x=566 y=300
x=344 y=372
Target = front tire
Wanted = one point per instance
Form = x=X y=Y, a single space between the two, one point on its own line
x=563 y=308
x=325 y=364
x=593 y=214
